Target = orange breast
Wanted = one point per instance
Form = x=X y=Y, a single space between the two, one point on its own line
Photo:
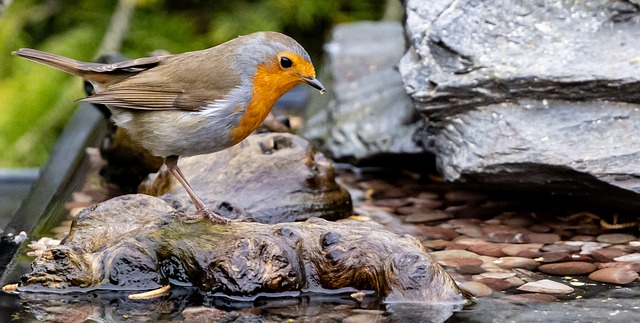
x=268 y=87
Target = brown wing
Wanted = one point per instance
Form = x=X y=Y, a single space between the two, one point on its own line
x=188 y=81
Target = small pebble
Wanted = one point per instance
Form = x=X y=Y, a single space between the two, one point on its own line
x=544 y=238
x=470 y=270
x=435 y=244
x=498 y=275
x=436 y=233
x=456 y=246
x=615 y=238
x=476 y=288
x=634 y=266
x=427 y=217
x=472 y=231
x=539 y=228
x=529 y=298
x=561 y=247
x=460 y=261
x=546 y=286
x=469 y=241
x=514 y=249
x=555 y=256
x=607 y=255
x=495 y=284
x=634 y=257
x=488 y=249
x=507 y=237
x=444 y=254
x=568 y=268
x=516 y=262
x=583 y=238
x=619 y=276
x=515 y=281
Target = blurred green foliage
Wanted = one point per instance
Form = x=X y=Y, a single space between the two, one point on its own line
x=36 y=101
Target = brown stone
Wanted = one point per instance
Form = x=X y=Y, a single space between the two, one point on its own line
x=460 y=261
x=444 y=254
x=488 y=249
x=456 y=246
x=516 y=262
x=514 y=249
x=583 y=238
x=607 y=255
x=391 y=203
x=472 y=231
x=555 y=256
x=569 y=268
x=495 y=284
x=463 y=197
x=427 y=216
x=561 y=247
x=619 y=276
x=634 y=266
x=470 y=270
x=507 y=237
x=529 y=254
x=438 y=244
x=544 y=238
x=476 y=288
x=434 y=233
x=539 y=228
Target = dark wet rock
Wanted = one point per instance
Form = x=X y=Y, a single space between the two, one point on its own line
x=137 y=242
x=268 y=178
x=568 y=268
x=620 y=276
x=514 y=100
x=366 y=112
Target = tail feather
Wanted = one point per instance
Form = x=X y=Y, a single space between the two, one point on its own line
x=62 y=63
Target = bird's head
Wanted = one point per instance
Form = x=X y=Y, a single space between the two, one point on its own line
x=276 y=61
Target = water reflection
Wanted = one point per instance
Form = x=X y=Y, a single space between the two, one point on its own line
x=188 y=305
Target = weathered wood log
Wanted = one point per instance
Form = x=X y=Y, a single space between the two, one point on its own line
x=138 y=242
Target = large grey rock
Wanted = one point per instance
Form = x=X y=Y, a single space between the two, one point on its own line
x=366 y=112
x=469 y=53
x=531 y=95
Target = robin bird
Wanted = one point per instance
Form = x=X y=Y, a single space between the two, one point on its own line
x=196 y=102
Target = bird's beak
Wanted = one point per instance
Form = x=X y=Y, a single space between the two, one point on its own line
x=312 y=81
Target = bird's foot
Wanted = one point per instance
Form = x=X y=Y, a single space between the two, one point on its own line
x=212 y=216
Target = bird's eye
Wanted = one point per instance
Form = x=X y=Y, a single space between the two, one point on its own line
x=285 y=62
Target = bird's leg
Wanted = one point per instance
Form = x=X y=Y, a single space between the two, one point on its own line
x=201 y=209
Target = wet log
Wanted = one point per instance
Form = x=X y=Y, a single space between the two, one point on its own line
x=138 y=242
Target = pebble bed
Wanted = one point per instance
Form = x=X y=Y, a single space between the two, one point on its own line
x=519 y=256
